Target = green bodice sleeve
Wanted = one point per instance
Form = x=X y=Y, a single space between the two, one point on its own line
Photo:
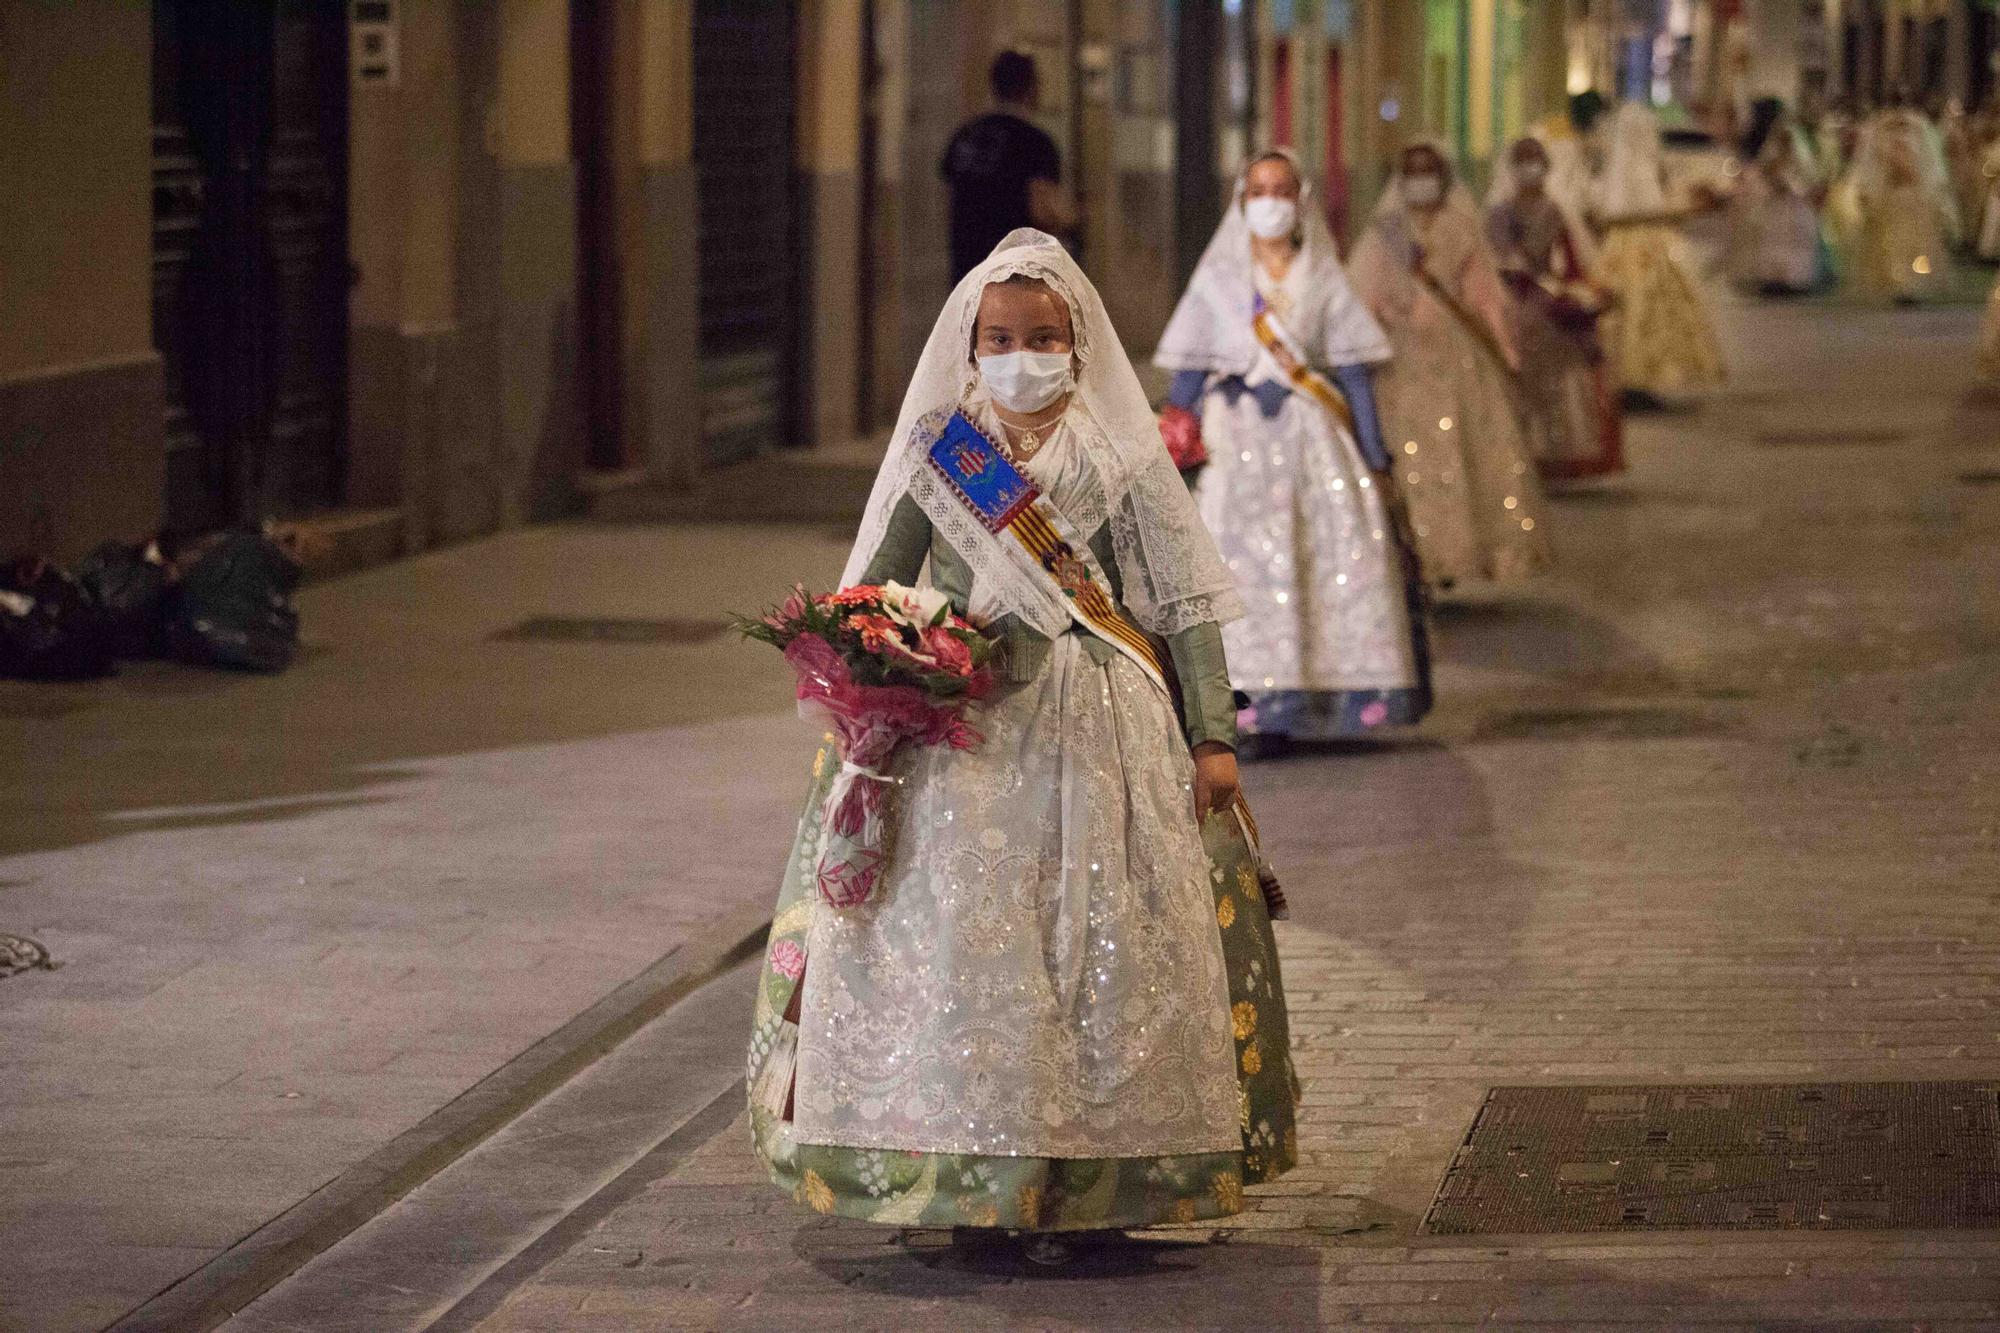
x=1208 y=704
x=900 y=558
x=1208 y=708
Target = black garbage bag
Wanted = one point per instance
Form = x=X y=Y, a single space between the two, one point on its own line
x=48 y=628
x=129 y=585
x=232 y=607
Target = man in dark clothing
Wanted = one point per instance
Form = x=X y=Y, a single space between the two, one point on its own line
x=1003 y=171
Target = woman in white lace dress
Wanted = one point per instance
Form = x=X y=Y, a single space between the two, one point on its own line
x=1298 y=488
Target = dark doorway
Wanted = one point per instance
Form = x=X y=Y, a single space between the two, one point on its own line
x=250 y=267
x=600 y=256
x=745 y=79
x=1984 y=35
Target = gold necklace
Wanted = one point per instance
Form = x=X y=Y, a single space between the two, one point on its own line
x=1025 y=442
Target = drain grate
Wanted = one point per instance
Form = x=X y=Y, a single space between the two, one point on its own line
x=1598 y=724
x=1856 y=435
x=1759 y=1157
x=568 y=629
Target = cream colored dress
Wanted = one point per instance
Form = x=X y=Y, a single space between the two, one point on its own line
x=1449 y=415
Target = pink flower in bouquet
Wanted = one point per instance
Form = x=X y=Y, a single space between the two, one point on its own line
x=947 y=650
x=788 y=960
x=875 y=671
x=879 y=634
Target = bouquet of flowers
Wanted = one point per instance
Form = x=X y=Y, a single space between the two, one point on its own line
x=876 y=666
x=1180 y=429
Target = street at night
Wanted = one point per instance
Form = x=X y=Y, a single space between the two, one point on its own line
x=1006 y=664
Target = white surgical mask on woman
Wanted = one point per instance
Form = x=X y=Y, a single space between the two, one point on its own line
x=1531 y=171
x=1026 y=381
x=1424 y=188
x=1270 y=216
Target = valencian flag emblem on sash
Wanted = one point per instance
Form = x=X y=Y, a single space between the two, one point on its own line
x=1008 y=505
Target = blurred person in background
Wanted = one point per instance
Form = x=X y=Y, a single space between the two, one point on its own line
x=1004 y=172
x=1776 y=245
x=1984 y=225
x=1662 y=338
x=1454 y=429
x=1271 y=349
x=1960 y=133
x=1574 y=429
x=1895 y=210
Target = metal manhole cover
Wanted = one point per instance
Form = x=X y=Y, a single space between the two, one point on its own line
x=1757 y=1157
x=1858 y=435
x=1597 y=724
x=600 y=629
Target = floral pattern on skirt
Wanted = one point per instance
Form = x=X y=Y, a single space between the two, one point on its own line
x=1662 y=335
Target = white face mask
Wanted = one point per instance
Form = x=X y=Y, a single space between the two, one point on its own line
x=1270 y=217
x=1026 y=381
x=1530 y=172
x=1423 y=189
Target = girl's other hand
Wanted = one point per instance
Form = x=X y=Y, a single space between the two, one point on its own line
x=1215 y=778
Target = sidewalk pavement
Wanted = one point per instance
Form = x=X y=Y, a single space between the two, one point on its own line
x=297 y=915
x=1714 y=804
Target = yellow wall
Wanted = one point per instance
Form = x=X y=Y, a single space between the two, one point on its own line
x=666 y=81
x=829 y=116
x=403 y=182
x=75 y=183
x=533 y=110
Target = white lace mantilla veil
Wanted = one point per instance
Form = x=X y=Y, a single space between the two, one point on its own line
x=1870 y=173
x=1210 y=328
x=1173 y=578
x=1632 y=183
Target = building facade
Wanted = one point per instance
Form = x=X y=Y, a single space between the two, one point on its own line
x=416 y=270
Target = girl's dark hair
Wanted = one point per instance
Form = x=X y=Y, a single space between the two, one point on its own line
x=1023 y=280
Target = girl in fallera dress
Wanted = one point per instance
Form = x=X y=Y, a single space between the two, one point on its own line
x=1447 y=396
x=1571 y=404
x=1776 y=243
x=1897 y=211
x=1060 y=1009
x=1662 y=335
x=1271 y=348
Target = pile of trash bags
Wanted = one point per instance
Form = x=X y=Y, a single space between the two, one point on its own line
x=223 y=601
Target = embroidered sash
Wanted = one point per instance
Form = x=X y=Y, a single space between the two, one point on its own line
x=1276 y=338
x=1037 y=536
x=1470 y=322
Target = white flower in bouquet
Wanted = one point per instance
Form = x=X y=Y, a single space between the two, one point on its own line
x=915 y=607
